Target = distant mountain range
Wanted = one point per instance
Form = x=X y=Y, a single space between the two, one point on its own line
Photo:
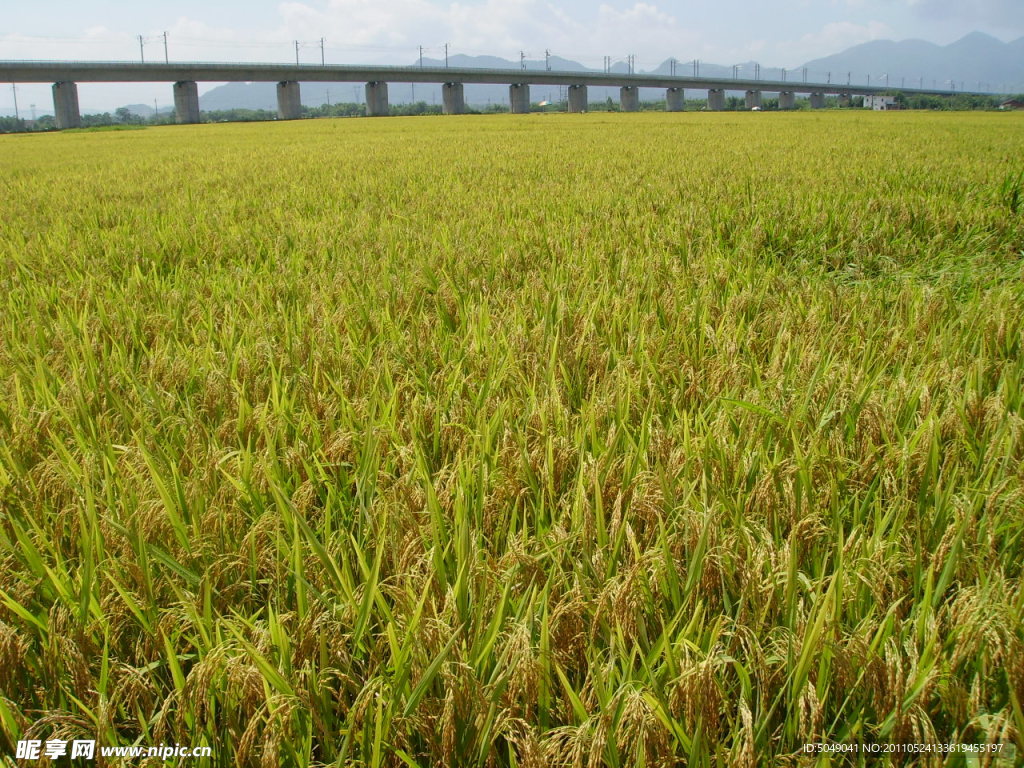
x=974 y=59
x=974 y=62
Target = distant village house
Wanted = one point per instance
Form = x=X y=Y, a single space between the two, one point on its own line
x=880 y=103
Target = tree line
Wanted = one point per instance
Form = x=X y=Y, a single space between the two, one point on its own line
x=124 y=117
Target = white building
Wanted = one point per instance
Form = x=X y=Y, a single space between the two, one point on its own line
x=880 y=102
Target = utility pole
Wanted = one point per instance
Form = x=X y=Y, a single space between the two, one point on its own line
x=421 y=57
x=757 y=71
x=829 y=80
x=522 y=60
x=805 y=74
x=14 y=90
x=142 y=53
x=547 y=59
x=446 y=55
x=296 y=53
x=167 y=59
x=696 y=67
x=783 y=74
x=672 y=66
x=323 y=61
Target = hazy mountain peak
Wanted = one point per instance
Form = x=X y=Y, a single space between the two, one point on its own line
x=973 y=38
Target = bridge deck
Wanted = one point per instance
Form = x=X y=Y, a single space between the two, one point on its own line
x=126 y=72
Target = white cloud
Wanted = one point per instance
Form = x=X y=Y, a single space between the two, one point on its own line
x=360 y=22
x=496 y=27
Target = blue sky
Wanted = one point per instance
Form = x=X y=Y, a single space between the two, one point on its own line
x=775 y=33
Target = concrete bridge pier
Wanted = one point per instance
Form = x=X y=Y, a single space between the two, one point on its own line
x=817 y=100
x=519 y=98
x=844 y=100
x=65 y=105
x=186 y=101
x=787 y=100
x=716 y=99
x=674 y=100
x=578 y=98
x=289 y=101
x=377 y=99
x=629 y=98
x=452 y=99
x=753 y=100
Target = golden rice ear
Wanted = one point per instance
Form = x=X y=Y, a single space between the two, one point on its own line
x=13 y=650
x=530 y=751
x=743 y=753
x=811 y=716
x=696 y=696
x=641 y=735
x=569 y=746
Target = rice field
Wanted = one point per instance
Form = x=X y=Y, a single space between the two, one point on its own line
x=550 y=440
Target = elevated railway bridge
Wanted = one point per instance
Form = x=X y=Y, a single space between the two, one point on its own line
x=65 y=75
